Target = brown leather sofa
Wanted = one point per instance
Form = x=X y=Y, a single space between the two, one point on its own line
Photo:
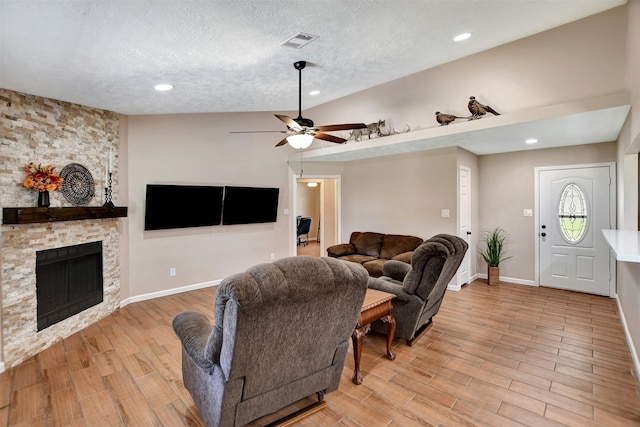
x=372 y=250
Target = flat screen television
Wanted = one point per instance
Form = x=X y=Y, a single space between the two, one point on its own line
x=182 y=206
x=249 y=205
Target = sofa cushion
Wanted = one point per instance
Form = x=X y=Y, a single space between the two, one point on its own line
x=404 y=257
x=357 y=258
x=395 y=244
x=367 y=243
x=341 y=250
x=374 y=267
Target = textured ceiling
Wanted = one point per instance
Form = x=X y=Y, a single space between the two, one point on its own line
x=225 y=56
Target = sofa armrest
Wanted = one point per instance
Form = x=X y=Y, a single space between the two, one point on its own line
x=194 y=329
x=395 y=269
x=343 y=249
x=404 y=257
x=391 y=286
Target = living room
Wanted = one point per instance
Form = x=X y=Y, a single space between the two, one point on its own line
x=580 y=61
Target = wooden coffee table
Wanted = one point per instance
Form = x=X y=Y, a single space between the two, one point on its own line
x=376 y=306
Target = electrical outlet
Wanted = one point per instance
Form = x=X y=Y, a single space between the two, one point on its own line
x=528 y=212
x=273 y=256
x=172 y=272
x=446 y=213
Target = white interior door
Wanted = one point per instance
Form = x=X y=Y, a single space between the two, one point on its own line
x=575 y=204
x=464 y=221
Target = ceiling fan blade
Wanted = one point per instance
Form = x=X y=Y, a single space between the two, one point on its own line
x=260 y=131
x=281 y=143
x=346 y=126
x=327 y=137
x=289 y=122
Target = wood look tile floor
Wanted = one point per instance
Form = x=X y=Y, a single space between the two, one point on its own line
x=506 y=355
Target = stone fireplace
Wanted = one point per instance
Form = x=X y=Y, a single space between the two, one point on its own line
x=47 y=131
x=20 y=245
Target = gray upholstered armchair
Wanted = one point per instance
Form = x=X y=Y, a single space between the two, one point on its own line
x=419 y=287
x=281 y=333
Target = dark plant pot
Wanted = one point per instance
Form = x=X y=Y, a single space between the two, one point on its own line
x=493 y=275
x=43 y=199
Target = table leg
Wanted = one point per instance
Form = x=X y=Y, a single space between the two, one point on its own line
x=356 y=338
x=390 y=320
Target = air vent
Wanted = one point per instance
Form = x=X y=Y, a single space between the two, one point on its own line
x=299 y=40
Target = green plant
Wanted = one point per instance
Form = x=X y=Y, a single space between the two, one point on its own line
x=495 y=247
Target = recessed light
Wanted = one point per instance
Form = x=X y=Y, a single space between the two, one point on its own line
x=461 y=37
x=163 y=87
x=314 y=92
x=531 y=141
x=312 y=184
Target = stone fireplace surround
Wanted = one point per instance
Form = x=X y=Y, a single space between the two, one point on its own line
x=50 y=132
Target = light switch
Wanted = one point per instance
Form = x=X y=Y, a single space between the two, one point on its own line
x=528 y=212
x=445 y=213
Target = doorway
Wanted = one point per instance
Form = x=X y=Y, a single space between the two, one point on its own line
x=574 y=204
x=464 y=221
x=316 y=197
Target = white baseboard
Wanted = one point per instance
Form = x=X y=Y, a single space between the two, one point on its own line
x=511 y=280
x=167 y=292
x=456 y=288
x=632 y=348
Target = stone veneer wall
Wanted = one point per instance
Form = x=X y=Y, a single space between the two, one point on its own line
x=52 y=132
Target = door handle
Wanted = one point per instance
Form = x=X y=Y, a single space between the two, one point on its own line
x=468 y=233
x=543 y=234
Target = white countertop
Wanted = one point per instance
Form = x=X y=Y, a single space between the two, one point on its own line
x=625 y=243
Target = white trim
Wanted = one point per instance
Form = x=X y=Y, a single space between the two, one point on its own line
x=536 y=222
x=627 y=334
x=457 y=288
x=1 y=367
x=168 y=292
x=511 y=280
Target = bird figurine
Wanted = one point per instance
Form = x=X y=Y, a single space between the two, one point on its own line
x=445 y=119
x=478 y=110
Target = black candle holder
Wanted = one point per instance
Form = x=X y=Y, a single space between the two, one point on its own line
x=108 y=193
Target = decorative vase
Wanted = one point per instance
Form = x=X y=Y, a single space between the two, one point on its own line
x=43 y=199
x=493 y=275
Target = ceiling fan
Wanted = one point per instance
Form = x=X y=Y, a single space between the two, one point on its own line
x=301 y=131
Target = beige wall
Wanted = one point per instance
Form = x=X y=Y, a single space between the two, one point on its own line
x=198 y=149
x=506 y=188
x=401 y=194
x=628 y=274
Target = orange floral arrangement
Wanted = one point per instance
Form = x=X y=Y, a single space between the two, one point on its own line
x=41 y=178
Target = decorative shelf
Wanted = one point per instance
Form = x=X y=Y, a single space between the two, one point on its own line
x=35 y=215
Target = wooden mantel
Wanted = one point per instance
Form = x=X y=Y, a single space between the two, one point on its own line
x=36 y=215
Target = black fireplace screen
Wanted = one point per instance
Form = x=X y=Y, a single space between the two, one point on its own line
x=68 y=281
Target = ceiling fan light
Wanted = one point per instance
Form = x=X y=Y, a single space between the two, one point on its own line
x=300 y=141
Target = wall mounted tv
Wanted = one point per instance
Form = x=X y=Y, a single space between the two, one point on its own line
x=182 y=206
x=249 y=205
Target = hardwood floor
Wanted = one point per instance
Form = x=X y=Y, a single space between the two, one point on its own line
x=506 y=355
x=312 y=248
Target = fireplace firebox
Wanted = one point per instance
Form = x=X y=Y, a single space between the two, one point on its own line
x=68 y=281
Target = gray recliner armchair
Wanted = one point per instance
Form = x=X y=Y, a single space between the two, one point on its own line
x=281 y=333
x=419 y=287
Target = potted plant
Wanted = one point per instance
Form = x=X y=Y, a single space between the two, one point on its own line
x=494 y=253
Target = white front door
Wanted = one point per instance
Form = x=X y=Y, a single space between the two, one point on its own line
x=464 y=221
x=575 y=205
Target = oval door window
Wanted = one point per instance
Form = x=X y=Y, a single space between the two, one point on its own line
x=572 y=213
